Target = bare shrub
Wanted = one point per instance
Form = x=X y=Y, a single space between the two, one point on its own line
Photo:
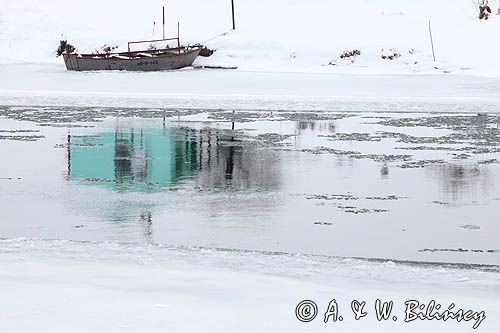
x=391 y=54
x=64 y=47
x=347 y=56
x=484 y=10
x=350 y=54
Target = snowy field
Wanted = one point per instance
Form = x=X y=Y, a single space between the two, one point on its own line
x=329 y=153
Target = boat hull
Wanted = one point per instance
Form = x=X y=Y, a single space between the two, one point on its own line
x=75 y=62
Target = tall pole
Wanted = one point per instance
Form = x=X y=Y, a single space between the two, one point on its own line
x=232 y=12
x=163 y=8
x=179 y=37
x=432 y=42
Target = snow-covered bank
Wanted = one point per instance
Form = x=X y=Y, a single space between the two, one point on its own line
x=58 y=286
x=281 y=35
x=282 y=50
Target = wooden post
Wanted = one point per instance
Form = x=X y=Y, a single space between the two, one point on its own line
x=432 y=42
x=232 y=12
x=69 y=154
x=163 y=11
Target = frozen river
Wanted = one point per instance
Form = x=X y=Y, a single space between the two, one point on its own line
x=402 y=186
x=217 y=200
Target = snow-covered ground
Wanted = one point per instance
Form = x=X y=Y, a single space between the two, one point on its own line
x=51 y=84
x=281 y=35
x=60 y=286
x=281 y=48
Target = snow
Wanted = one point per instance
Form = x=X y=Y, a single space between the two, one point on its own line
x=58 y=286
x=282 y=49
x=283 y=35
x=42 y=84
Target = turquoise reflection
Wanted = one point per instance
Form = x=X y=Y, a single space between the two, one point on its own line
x=139 y=158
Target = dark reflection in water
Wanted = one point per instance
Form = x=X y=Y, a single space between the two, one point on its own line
x=146 y=221
x=228 y=162
x=460 y=181
x=123 y=163
x=315 y=126
x=384 y=171
x=155 y=157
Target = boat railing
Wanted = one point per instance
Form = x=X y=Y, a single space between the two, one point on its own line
x=131 y=54
x=178 y=48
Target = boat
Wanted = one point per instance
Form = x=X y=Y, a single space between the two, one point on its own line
x=153 y=59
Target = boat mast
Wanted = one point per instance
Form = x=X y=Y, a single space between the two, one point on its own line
x=163 y=11
x=179 y=37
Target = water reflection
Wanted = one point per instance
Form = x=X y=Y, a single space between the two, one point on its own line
x=228 y=162
x=462 y=181
x=156 y=157
x=146 y=221
x=384 y=171
x=260 y=186
x=148 y=157
x=314 y=126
